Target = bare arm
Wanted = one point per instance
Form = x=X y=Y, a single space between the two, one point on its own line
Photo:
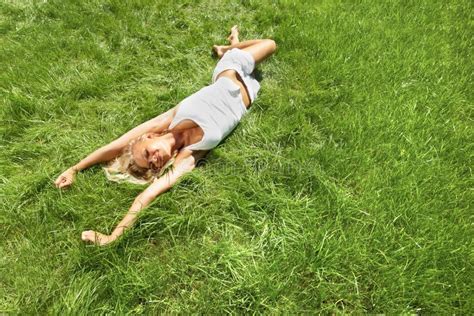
x=112 y=150
x=185 y=162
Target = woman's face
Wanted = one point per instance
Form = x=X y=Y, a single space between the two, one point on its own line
x=152 y=151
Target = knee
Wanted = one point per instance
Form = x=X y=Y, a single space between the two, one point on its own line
x=271 y=45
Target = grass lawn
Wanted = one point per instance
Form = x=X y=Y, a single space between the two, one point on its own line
x=346 y=188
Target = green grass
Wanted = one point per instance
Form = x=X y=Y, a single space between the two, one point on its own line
x=347 y=188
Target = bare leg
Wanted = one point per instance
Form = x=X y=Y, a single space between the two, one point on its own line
x=220 y=50
x=259 y=48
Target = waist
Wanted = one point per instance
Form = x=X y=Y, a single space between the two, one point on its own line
x=234 y=76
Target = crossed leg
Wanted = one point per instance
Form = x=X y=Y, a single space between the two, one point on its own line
x=259 y=48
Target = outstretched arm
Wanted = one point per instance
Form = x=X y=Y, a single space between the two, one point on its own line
x=112 y=150
x=185 y=162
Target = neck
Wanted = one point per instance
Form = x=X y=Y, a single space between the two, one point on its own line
x=177 y=139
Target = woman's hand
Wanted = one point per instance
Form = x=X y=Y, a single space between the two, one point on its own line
x=66 y=178
x=97 y=238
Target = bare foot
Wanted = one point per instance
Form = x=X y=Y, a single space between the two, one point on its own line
x=233 y=39
x=218 y=50
x=234 y=35
x=96 y=238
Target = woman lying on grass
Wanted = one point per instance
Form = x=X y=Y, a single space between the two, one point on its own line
x=181 y=136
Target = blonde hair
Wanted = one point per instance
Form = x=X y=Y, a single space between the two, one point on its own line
x=124 y=168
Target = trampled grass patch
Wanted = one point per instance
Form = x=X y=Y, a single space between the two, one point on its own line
x=347 y=187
